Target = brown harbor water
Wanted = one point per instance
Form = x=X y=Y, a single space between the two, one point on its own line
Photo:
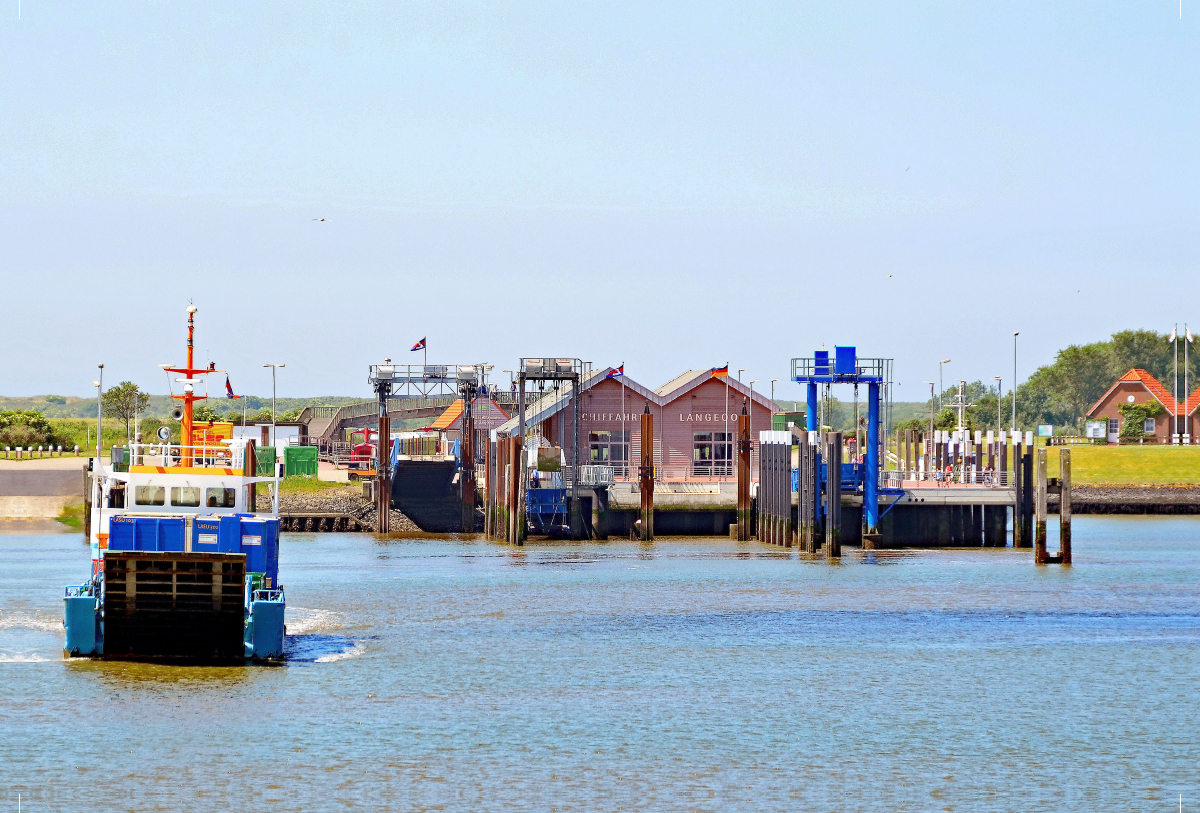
x=690 y=674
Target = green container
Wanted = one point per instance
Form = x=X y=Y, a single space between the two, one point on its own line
x=780 y=420
x=300 y=461
x=265 y=458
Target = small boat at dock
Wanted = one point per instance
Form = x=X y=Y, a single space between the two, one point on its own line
x=184 y=546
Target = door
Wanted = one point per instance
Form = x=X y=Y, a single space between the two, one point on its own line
x=1114 y=428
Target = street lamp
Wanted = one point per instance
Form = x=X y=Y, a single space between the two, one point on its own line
x=773 y=380
x=99 y=411
x=740 y=371
x=999 y=398
x=750 y=421
x=941 y=388
x=273 y=367
x=1014 y=423
x=930 y=454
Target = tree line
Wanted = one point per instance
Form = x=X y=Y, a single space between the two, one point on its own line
x=1062 y=392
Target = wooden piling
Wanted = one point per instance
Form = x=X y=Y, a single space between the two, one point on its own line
x=1064 y=505
x=487 y=488
x=383 y=480
x=833 y=496
x=743 y=476
x=646 y=476
x=1039 y=529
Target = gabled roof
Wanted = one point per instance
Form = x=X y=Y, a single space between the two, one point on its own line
x=1156 y=389
x=549 y=405
x=683 y=384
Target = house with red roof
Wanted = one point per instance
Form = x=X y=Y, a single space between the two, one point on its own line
x=1140 y=387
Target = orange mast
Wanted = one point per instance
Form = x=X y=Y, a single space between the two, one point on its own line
x=189 y=396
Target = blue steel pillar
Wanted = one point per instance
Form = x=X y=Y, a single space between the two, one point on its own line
x=811 y=419
x=871 y=475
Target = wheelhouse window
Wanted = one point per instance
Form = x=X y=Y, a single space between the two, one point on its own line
x=220 y=497
x=150 y=495
x=185 y=496
x=712 y=453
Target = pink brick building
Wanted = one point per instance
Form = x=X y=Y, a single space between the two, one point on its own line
x=695 y=424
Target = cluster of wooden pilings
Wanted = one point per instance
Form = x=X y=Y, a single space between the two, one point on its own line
x=818 y=510
x=503 y=506
x=1061 y=486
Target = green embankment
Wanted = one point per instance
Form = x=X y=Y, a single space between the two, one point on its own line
x=1127 y=465
x=1130 y=465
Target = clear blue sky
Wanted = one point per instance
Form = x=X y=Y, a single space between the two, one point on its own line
x=672 y=186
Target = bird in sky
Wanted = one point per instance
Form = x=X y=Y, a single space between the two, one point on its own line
x=322 y=219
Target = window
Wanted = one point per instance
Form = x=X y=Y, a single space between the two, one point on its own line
x=1114 y=426
x=150 y=495
x=220 y=497
x=1148 y=426
x=185 y=496
x=712 y=454
x=610 y=449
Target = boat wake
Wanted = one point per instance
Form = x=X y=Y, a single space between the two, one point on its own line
x=319 y=648
x=30 y=622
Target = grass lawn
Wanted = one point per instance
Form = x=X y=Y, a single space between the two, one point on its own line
x=306 y=485
x=1134 y=465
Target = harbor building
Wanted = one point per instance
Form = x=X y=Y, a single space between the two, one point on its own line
x=695 y=423
x=1140 y=387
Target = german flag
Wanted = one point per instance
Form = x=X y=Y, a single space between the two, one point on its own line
x=721 y=372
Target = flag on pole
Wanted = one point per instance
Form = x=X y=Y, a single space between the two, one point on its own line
x=1174 y=335
x=721 y=372
x=616 y=371
x=1187 y=334
x=229 y=388
x=418 y=346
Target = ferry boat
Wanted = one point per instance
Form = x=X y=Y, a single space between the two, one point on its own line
x=184 y=564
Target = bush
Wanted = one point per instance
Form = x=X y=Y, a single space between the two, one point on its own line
x=25 y=429
x=1135 y=416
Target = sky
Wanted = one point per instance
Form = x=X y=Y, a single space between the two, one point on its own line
x=672 y=186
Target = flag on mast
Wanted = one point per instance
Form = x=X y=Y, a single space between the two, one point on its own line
x=1187 y=334
x=418 y=346
x=229 y=388
x=616 y=371
x=721 y=372
x=1174 y=335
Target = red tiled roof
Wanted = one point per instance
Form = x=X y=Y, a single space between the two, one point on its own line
x=1160 y=392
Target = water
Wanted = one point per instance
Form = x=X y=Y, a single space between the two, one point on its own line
x=685 y=675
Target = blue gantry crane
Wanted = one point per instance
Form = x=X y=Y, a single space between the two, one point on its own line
x=847 y=368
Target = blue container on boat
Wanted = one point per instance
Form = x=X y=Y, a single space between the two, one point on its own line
x=120 y=533
x=204 y=534
x=229 y=537
x=170 y=534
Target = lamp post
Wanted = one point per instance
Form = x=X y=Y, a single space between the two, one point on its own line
x=380 y=377
x=999 y=394
x=750 y=417
x=1016 y=333
x=273 y=367
x=929 y=457
x=99 y=411
x=773 y=380
x=941 y=388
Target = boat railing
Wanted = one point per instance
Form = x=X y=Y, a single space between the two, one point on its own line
x=80 y=590
x=220 y=456
x=268 y=594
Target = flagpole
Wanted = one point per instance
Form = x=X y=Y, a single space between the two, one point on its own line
x=1186 y=392
x=1175 y=382
x=624 y=445
x=726 y=439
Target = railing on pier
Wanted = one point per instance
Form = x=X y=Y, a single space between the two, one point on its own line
x=960 y=476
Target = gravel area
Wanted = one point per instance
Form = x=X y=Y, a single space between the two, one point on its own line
x=347 y=500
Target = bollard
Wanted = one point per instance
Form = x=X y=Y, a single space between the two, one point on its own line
x=646 y=476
